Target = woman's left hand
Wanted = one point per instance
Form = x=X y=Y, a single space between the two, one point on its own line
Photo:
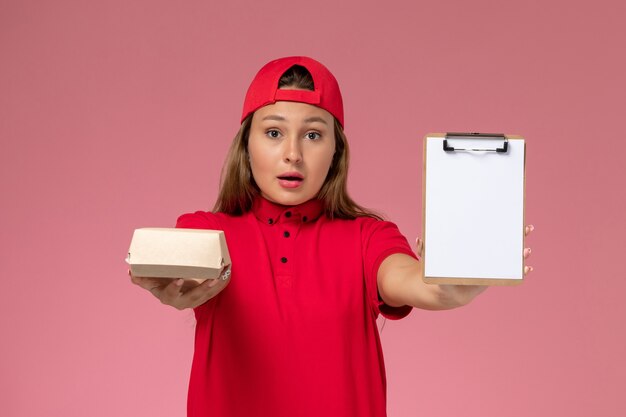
x=457 y=295
x=527 y=230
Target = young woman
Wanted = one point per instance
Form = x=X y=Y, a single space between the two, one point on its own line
x=292 y=331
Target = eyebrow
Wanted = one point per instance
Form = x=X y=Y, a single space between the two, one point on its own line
x=307 y=120
x=315 y=119
x=273 y=117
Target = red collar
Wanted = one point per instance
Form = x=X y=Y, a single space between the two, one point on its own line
x=272 y=213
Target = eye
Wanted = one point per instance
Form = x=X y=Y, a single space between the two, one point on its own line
x=313 y=135
x=273 y=133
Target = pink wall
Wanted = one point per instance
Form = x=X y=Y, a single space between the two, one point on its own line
x=116 y=115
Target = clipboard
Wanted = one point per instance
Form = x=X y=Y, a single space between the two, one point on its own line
x=473 y=208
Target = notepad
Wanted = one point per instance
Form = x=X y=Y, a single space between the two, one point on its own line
x=473 y=211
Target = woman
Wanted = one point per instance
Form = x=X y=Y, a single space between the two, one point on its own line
x=293 y=331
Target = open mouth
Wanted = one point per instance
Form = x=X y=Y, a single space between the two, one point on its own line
x=290 y=178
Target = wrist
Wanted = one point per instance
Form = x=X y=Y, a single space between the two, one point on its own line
x=454 y=296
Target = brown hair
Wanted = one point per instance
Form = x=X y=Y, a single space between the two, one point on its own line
x=238 y=188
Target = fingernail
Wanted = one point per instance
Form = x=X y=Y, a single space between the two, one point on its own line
x=532 y=227
x=179 y=282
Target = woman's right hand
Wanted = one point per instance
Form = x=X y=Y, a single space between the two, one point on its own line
x=171 y=291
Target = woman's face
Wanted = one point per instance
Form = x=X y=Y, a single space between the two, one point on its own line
x=291 y=147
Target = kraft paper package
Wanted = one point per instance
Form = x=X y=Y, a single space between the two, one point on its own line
x=192 y=254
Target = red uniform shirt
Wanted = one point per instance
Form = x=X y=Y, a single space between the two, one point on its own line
x=294 y=333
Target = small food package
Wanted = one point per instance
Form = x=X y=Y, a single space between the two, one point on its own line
x=169 y=253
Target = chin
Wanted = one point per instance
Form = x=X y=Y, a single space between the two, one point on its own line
x=287 y=199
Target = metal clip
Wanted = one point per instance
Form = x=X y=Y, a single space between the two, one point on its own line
x=475 y=135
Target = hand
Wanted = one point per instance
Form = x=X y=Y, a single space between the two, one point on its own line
x=456 y=295
x=527 y=268
x=527 y=230
x=178 y=293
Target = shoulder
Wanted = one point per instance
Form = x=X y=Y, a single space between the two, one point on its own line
x=371 y=226
x=367 y=228
x=382 y=237
x=204 y=220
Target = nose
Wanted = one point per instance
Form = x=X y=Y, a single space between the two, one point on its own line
x=292 y=152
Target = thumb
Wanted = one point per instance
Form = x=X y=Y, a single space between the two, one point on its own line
x=419 y=244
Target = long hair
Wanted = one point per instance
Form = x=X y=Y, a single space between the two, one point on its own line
x=238 y=188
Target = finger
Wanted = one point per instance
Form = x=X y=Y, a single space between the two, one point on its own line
x=133 y=279
x=526 y=252
x=528 y=269
x=528 y=229
x=171 y=292
x=212 y=282
x=200 y=294
x=146 y=283
x=140 y=281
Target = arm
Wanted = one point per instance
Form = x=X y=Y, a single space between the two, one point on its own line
x=400 y=282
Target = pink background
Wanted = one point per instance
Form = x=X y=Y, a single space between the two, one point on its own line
x=116 y=115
